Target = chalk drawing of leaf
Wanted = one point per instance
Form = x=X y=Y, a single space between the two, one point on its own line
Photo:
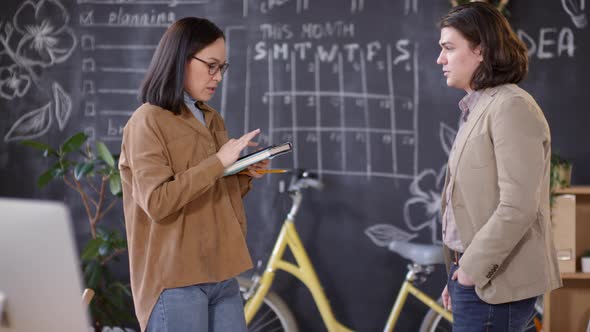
x=383 y=234
x=63 y=106
x=447 y=137
x=31 y=125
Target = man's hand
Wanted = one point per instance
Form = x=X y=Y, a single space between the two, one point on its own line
x=462 y=277
x=230 y=151
x=446 y=298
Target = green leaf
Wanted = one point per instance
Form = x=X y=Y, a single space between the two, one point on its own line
x=73 y=143
x=122 y=287
x=47 y=176
x=82 y=169
x=59 y=172
x=115 y=184
x=93 y=273
x=105 y=249
x=105 y=154
x=91 y=249
x=47 y=150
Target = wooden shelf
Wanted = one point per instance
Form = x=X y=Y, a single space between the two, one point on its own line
x=577 y=275
x=567 y=309
x=574 y=190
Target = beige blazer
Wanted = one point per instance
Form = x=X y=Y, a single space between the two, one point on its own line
x=501 y=197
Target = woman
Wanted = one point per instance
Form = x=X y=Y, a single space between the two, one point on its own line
x=495 y=204
x=185 y=223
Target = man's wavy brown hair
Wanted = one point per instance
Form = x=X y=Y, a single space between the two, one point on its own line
x=505 y=58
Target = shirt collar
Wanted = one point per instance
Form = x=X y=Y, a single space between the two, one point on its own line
x=188 y=99
x=467 y=103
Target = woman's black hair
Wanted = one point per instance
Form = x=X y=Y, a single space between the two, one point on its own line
x=163 y=84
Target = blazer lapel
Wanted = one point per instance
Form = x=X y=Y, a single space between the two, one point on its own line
x=474 y=116
x=443 y=199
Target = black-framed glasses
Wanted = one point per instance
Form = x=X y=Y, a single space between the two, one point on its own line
x=214 y=66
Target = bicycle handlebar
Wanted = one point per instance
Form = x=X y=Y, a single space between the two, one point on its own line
x=302 y=179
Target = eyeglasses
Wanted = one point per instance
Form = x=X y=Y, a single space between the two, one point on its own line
x=214 y=66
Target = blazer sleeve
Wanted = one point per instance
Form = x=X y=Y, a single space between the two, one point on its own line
x=155 y=187
x=521 y=140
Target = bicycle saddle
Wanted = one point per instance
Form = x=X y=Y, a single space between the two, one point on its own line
x=423 y=254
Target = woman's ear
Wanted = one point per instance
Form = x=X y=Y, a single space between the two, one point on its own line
x=478 y=52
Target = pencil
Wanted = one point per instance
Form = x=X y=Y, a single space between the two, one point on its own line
x=266 y=171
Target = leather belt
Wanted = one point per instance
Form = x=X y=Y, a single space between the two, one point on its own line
x=455 y=256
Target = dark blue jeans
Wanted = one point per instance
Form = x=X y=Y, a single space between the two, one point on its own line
x=471 y=314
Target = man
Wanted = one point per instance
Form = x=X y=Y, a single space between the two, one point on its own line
x=495 y=204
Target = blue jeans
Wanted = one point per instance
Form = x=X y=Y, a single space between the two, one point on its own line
x=213 y=307
x=471 y=314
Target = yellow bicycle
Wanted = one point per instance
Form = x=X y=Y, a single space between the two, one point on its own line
x=266 y=311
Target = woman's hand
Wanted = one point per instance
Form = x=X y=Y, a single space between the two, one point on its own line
x=230 y=151
x=254 y=168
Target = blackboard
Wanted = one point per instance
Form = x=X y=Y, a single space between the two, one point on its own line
x=353 y=84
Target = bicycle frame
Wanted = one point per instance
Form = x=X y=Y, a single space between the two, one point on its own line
x=409 y=288
x=305 y=272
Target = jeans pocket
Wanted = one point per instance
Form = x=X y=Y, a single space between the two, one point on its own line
x=464 y=287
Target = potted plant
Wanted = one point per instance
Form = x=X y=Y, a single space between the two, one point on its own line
x=560 y=174
x=585 y=260
x=89 y=172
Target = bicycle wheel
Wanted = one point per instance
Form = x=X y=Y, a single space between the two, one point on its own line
x=435 y=322
x=274 y=315
x=536 y=322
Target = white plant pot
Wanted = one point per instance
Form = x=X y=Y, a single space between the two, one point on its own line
x=586 y=264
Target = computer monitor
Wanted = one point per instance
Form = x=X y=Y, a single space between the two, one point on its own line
x=39 y=269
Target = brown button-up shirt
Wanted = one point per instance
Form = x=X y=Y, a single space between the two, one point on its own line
x=185 y=222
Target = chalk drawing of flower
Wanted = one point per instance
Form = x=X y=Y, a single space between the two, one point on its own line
x=12 y=83
x=422 y=210
x=47 y=39
x=40 y=31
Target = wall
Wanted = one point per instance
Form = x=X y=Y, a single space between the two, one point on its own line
x=353 y=84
